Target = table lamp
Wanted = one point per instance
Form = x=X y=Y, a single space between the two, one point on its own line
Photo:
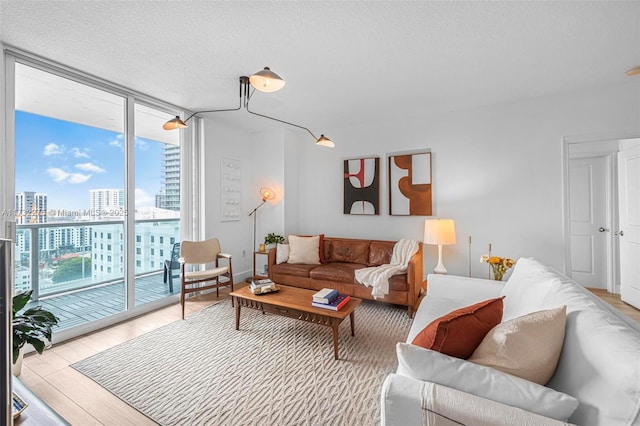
x=439 y=232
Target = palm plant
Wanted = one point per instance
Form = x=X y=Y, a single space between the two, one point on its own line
x=33 y=326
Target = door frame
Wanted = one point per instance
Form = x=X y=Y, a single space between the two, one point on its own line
x=594 y=146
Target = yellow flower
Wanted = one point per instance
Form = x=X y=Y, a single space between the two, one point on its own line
x=499 y=265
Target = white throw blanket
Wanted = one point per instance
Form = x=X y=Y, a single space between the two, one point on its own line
x=377 y=277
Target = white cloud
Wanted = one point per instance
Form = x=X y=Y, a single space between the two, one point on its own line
x=143 y=199
x=59 y=175
x=118 y=141
x=141 y=145
x=78 y=178
x=78 y=153
x=53 y=149
x=90 y=167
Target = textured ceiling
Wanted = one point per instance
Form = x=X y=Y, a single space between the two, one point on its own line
x=344 y=62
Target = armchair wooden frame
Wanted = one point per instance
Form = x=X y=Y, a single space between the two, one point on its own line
x=202 y=253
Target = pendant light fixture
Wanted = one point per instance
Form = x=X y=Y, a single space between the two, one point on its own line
x=264 y=81
x=633 y=71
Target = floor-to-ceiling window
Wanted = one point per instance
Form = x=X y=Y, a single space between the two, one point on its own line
x=157 y=201
x=97 y=194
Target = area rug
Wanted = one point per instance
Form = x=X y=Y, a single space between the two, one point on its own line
x=273 y=371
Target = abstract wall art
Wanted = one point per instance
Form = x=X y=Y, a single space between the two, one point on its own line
x=362 y=186
x=410 y=184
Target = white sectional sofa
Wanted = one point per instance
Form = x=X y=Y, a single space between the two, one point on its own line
x=596 y=382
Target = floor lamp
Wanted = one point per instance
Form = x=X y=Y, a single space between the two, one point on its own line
x=440 y=232
x=266 y=194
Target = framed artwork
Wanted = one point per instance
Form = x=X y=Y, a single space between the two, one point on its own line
x=230 y=190
x=410 y=184
x=362 y=186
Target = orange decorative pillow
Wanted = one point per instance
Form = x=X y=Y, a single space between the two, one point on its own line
x=459 y=332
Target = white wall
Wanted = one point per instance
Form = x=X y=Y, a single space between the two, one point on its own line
x=222 y=141
x=496 y=171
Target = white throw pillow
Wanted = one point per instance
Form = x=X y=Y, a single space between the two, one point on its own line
x=304 y=250
x=431 y=366
x=528 y=346
x=282 y=253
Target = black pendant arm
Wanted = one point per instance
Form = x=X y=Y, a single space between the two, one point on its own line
x=221 y=110
x=281 y=121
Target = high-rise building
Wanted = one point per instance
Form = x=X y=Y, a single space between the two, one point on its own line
x=170 y=198
x=31 y=207
x=104 y=202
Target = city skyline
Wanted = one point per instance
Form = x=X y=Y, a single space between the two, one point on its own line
x=66 y=160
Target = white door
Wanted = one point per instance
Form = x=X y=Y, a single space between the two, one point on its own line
x=629 y=233
x=588 y=183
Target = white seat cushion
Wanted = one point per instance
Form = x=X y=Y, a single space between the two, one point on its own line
x=208 y=273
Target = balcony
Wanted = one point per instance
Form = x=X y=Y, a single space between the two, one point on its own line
x=76 y=269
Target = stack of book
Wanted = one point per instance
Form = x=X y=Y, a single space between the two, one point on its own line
x=262 y=286
x=328 y=298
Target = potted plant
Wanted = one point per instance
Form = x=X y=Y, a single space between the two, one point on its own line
x=272 y=239
x=33 y=326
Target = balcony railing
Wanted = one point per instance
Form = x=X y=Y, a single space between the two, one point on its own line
x=60 y=257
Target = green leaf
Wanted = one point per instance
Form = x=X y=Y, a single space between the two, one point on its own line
x=20 y=300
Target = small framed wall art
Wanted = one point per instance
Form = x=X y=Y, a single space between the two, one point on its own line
x=362 y=186
x=410 y=184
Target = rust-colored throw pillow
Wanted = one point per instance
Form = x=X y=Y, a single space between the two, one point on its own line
x=459 y=332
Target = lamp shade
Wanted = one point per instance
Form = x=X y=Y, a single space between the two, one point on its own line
x=266 y=81
x=325 y=141
x=633 y=71
x=174 y=123
x=439 y=231
x=267 y=194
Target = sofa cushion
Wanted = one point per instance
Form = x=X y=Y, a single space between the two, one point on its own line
x=527 y=287
x=296 y=270
x=380 y=253
x=304 y=250
x=321 y=249
x=432 y=366
x=600 y=359
x=354 y=251
x=459 y=332
x=282 y=253
x=528 y=346
x=336 y=271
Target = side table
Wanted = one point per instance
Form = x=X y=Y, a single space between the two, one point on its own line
x=259 y=267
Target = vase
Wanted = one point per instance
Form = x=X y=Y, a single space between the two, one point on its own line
x=498 y=271
x=17 y=367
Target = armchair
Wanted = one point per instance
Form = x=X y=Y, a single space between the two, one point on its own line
x=199 y=253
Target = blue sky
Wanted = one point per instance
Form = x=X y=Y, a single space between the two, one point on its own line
x=65 y=160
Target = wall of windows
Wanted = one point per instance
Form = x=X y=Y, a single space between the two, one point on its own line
x=97 y=189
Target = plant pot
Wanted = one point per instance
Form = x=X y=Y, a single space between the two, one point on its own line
x=17 y=367
x=270 y=246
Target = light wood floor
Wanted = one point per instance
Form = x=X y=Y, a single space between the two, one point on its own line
x=83 y=402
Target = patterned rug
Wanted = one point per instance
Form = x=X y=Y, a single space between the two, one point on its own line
x=273 y=371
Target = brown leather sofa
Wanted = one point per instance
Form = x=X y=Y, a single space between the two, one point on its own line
x=342 y=256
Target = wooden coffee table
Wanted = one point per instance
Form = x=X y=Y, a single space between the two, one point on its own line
x=293 y=302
